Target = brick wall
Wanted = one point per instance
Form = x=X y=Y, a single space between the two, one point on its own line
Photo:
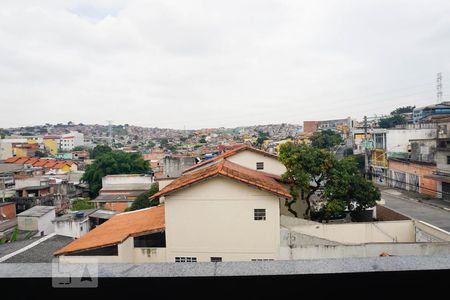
x=7 y=211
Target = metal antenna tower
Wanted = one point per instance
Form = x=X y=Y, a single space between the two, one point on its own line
x=439 y=87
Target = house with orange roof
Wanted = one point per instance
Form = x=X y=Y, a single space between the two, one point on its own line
x=137 y=236
x=221 y=212
x=246 y=156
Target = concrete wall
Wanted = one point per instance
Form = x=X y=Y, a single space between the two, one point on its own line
x=367 y=250
x=27 y=223
x=6 y=150
x=127 y=179
x=148 y=255
x=215 y=218
x=126 y=254
x=397 y=140
x=248 y=159
x=164 y=182
x=173 y=166
x=428 y=233
x=72 y=228
x=359 y=233
x=45 y=224
x=441 y=160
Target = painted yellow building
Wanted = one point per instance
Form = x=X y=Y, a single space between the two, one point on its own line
x=20 y=152
x=51 y=145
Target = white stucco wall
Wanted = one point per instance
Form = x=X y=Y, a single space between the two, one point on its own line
x=248 y=159
x=360 y=233
x=6 y=150
x=215 y=218
x=126 y=254
x=45 y=223
x=397 y=140
x=72 y=228
x=365 y=250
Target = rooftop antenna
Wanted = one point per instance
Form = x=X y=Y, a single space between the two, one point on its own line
x=439 y=87
x=110 y=137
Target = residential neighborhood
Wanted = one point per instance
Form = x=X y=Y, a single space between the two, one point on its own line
x=171 y=147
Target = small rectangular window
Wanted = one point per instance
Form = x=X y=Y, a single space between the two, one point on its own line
x=448 y=160
x=260 y=214
x=185 y=259
x=262 y=259
x=260 y=165
x=216 y=259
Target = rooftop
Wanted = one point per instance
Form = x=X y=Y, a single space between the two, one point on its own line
x=119 y=228
x=231 y=170
x=36 y=211
x=36 y=250
x=228 y=154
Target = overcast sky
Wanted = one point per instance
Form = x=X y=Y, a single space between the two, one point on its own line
x=195 y=64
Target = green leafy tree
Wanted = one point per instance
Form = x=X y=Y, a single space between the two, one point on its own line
x=331 y=210
x=111 y=163
x=392 y=121
x=142 y=200
x=99 y=150
x=151 y=144
x=310 y=170
x=262 y=136
x=347 y=185
x=202 y=141
x=307 y=169
x=39 y=154
x=81 y=204
x=325 y=139
x=79 y=148
x=403 y=110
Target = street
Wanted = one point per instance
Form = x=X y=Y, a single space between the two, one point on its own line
x=395 y=199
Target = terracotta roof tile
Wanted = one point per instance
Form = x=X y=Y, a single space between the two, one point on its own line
x=228 y=154
x=231 y=170
x=12 y=160
x=21 y=160
x=119 y=228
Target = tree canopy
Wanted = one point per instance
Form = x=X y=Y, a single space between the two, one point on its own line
x=142 y=200
x=307 y=169
x=81 y=204
x=325 y=139
x=339 y=183
x=262 y=136
x=392 y=121
x=402 y=110
x=111 y=163
x=395 y=117
x=99 y=150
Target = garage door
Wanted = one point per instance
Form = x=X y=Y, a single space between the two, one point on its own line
x=446 y=190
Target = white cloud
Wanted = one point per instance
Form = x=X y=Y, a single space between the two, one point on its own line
x=217 y=63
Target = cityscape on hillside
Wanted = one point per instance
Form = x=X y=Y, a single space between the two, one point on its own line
x=166 y=148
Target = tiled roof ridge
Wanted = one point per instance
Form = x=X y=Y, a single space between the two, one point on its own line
x=227 y=169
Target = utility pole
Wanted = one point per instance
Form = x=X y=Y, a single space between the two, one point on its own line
x=366 y=151
x=439 y=87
